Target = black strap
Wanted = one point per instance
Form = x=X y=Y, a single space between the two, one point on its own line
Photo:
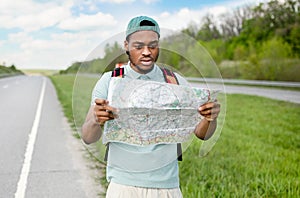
x=171 y=78
x=118 y=72
x=106 y=152
x=179 y=152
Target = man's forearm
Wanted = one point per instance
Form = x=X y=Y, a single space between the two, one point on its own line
x=91 y=130
x=205 y=129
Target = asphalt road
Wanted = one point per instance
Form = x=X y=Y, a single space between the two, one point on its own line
x=39 y=157
x=272 y=93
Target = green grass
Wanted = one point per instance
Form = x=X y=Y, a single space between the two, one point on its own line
x=257 y=154
x=64 y=89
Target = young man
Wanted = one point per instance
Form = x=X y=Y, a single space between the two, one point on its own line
x=144 y=180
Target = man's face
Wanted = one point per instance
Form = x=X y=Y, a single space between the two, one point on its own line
x=143 y=47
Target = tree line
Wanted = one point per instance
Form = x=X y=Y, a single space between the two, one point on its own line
x=9 y=70
x=250 y=42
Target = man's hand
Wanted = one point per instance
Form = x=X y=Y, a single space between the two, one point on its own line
x=206 y=128
x=103 y=112
x=210 y=111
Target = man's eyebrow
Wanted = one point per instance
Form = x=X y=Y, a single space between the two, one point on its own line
x=156 y=41
x=140 y=42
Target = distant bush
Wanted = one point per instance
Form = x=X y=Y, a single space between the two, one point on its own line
x=8 y=71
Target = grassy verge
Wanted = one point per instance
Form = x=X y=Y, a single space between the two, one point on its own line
x=257 y=154
x=64 y=89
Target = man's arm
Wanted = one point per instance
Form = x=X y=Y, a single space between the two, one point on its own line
x=91 y=130
x=98 y=114
x=207 y=126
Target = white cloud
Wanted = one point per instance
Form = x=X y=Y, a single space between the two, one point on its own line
x=47 y=54
x=58 y=52
x=19 y=38
x=165 y=14
x=180 y=19
x=2 y=42
x=8 y=7
x=88 y=22
x=216 y=11
x=31 y=16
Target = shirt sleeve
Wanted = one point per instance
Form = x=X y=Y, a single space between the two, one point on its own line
x=101 y=88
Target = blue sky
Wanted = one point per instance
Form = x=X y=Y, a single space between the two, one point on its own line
x=41 y=34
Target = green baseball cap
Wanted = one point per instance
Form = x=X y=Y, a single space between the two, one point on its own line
x=141 y=23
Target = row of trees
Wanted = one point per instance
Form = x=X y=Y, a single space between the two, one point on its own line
x=261 y=42
x=253 y=24
x=9 y=70
x=252 y=42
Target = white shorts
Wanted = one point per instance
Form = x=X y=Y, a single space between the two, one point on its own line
x=122 y=191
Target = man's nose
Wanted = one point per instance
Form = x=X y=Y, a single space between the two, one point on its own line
x=146 y=51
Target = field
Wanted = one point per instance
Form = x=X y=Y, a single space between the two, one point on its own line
x=40 y=72
x=257 y=154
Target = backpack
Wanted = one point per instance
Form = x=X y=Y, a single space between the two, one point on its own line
x=169 y=77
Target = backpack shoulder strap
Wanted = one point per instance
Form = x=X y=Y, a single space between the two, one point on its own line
x=171 y=78
x=118 y=72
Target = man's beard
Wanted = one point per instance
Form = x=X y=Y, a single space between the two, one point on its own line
x=139 y=67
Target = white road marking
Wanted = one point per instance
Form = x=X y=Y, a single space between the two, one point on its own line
x=5 y=86
x=21 y=189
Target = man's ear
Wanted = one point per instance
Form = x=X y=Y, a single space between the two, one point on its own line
x=126 y=45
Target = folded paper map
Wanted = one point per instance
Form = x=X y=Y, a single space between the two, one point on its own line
x=151 y=112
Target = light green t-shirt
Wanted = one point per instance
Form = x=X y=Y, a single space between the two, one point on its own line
x=153 y=166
